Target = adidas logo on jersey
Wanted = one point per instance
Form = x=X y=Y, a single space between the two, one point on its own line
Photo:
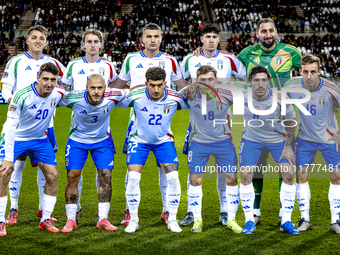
x=33 y=107
x=111 y=164
x=144 y=109
x=197 y=106
x=139 y=66
x=176 y=159
x=55 y=147
x=28 y=68
x=198 y=65
x=81 y=71
x=83 y=112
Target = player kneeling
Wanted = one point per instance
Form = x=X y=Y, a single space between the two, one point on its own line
x=265 y=132
x=28 y=118
x=154 y=107
x=88 y=132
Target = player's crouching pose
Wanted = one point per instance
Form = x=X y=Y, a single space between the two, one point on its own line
x=318 y=132
x=28 y=118
x=208 y=138
x=265 y=132
x=88 y=132
x=154 y=107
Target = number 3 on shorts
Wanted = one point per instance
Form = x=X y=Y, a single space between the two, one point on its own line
x=67 y=150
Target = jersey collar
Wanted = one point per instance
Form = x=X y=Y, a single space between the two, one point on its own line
x=318 y=88
x=161 y=100
x=144 y=56
x=85 y=61
x=87 y=101
x=215 y=56
x=29 y=56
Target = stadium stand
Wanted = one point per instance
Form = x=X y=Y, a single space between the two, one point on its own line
x=311 y=26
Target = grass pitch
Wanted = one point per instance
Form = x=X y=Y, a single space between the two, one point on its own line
x=153 y=236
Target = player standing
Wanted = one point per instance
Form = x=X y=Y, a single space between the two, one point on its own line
x=318 y=132
x=226 y=65
x=20 y=71
x=265 y=132
x=28 y=117
x=91 y=109
x=134 y=68
x=279 y=59
x=208 y=138
x=154 y=106
x=78 y=71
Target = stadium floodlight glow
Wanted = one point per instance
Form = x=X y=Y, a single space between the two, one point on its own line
x=238 y=101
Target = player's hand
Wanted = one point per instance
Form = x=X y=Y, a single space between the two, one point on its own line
x=191 y=91
x=197 y=52
x=6 y=167
x=288 y=154
x=9 y=100
x=336 y=138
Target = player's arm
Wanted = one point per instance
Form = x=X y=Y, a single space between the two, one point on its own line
x=8 y=81
x=184 y=102
x=7 y=92
x=124 y=75
x=241 y=71
x=117 y=95
x=117 y=84
x=296 y=57
x=13 y=116
x=181 y=83
x=290 y=123
x=129 y=101
x=197 y=51
x=336 y=136
x=67 y=78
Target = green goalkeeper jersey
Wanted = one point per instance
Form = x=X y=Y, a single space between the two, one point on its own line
x=279 y=61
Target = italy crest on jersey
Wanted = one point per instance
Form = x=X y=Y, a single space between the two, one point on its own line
x=166 y=109
x=220 y=64
x=162 y=64
x=101 y=71
x=53 y=102
x=321 y=100
x=278 y=60
x=106 y=110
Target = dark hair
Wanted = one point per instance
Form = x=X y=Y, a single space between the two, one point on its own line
x=210 y=28
x=257 y=69
x=39 y=28
x=155 y=74
x=151 y=26
x=205 y=69
x=310 y=59
x=49 y=67
x=265 y=20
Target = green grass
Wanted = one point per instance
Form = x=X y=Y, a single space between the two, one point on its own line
x=153 y=236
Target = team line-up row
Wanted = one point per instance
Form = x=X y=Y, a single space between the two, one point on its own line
x=154 y=106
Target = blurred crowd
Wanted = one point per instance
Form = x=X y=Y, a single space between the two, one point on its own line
x=180 y=22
